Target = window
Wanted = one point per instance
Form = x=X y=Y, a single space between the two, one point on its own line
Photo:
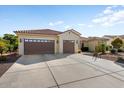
x=45 y=41
x=38 y=40
x=30 y=40
x=72 y=41
x=34 y=40
x=26 y=40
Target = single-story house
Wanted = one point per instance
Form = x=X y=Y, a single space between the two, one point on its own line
x=92 y=42
x=113 y=37
x=84 y=42
x=47 y=41
x=95 y=41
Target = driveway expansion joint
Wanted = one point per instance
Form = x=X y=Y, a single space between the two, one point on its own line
x=52 y=74
x=64 y=65
x=27 y=70
x=78 y=60
x=111 y=72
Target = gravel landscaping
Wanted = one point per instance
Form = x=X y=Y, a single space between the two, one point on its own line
x=112 y=57
x=5 y=65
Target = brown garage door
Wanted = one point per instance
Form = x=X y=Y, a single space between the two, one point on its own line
x=38 y=46
x=68 y=46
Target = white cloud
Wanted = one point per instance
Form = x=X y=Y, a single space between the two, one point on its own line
x=90 y=26
x=110 y=17
x=56 y=23
x=114 y=6
x=108 y=11
x=67 y=27
x=81 y=24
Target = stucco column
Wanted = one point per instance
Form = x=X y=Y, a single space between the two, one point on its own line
x=21 y=46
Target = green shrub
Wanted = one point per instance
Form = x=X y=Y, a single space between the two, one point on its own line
x=100 y=48
x=97 y=49
x=114 y=51
x=120 y=50
x=107 y=48
x=85 y=49
x=79 y=51
x=117 y=43
x=3 y=58
x=120 y=59
x=103 y=48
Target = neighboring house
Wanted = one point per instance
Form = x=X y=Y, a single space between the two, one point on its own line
x=95 y=41
x=84 y=42
x=92 y=42
x=113 y=37
x=46 y=41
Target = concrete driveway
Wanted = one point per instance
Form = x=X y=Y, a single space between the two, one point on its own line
x=63 y=70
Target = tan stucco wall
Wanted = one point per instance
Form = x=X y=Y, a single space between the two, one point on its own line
x=35 y=36
x=85 y=43
x=93 y=43
x=69 y=36
x=109 y=42
x=58 y=46
x=112 y=39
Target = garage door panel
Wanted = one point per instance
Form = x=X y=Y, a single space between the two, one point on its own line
x=68 y=46
x=39 y=47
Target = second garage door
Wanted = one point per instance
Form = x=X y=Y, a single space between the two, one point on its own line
x=68 y=46
x=38 y=46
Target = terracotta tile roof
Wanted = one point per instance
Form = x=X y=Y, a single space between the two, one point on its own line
x=74 y=31
x=40 y=31
x=110 y=36
x=122 y=36
x=84 y=38
x=114 y=36
x=97 y=38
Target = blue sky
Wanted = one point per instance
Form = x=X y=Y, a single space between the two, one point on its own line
x=92 y=20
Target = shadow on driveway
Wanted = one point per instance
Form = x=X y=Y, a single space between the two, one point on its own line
x=33 y=59
x=4 y=66
x=120 y=61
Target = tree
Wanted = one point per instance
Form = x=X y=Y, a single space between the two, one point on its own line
x=13 y=42
x=10 y=37
x=117 y=43
x=97 y=49
x=2 y=46
x=103 y=48
x=10 y=48
x=100 y=48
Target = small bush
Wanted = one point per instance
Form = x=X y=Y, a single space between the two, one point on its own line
x=3 y=58
x=85 y=49
x=110 y=47
x=107 y=48
x=114 y=51
x=120 y=50
x=120 y=59
x=79 y=51
x=103 y=48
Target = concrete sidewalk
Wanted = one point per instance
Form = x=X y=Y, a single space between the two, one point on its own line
x=63 y=70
